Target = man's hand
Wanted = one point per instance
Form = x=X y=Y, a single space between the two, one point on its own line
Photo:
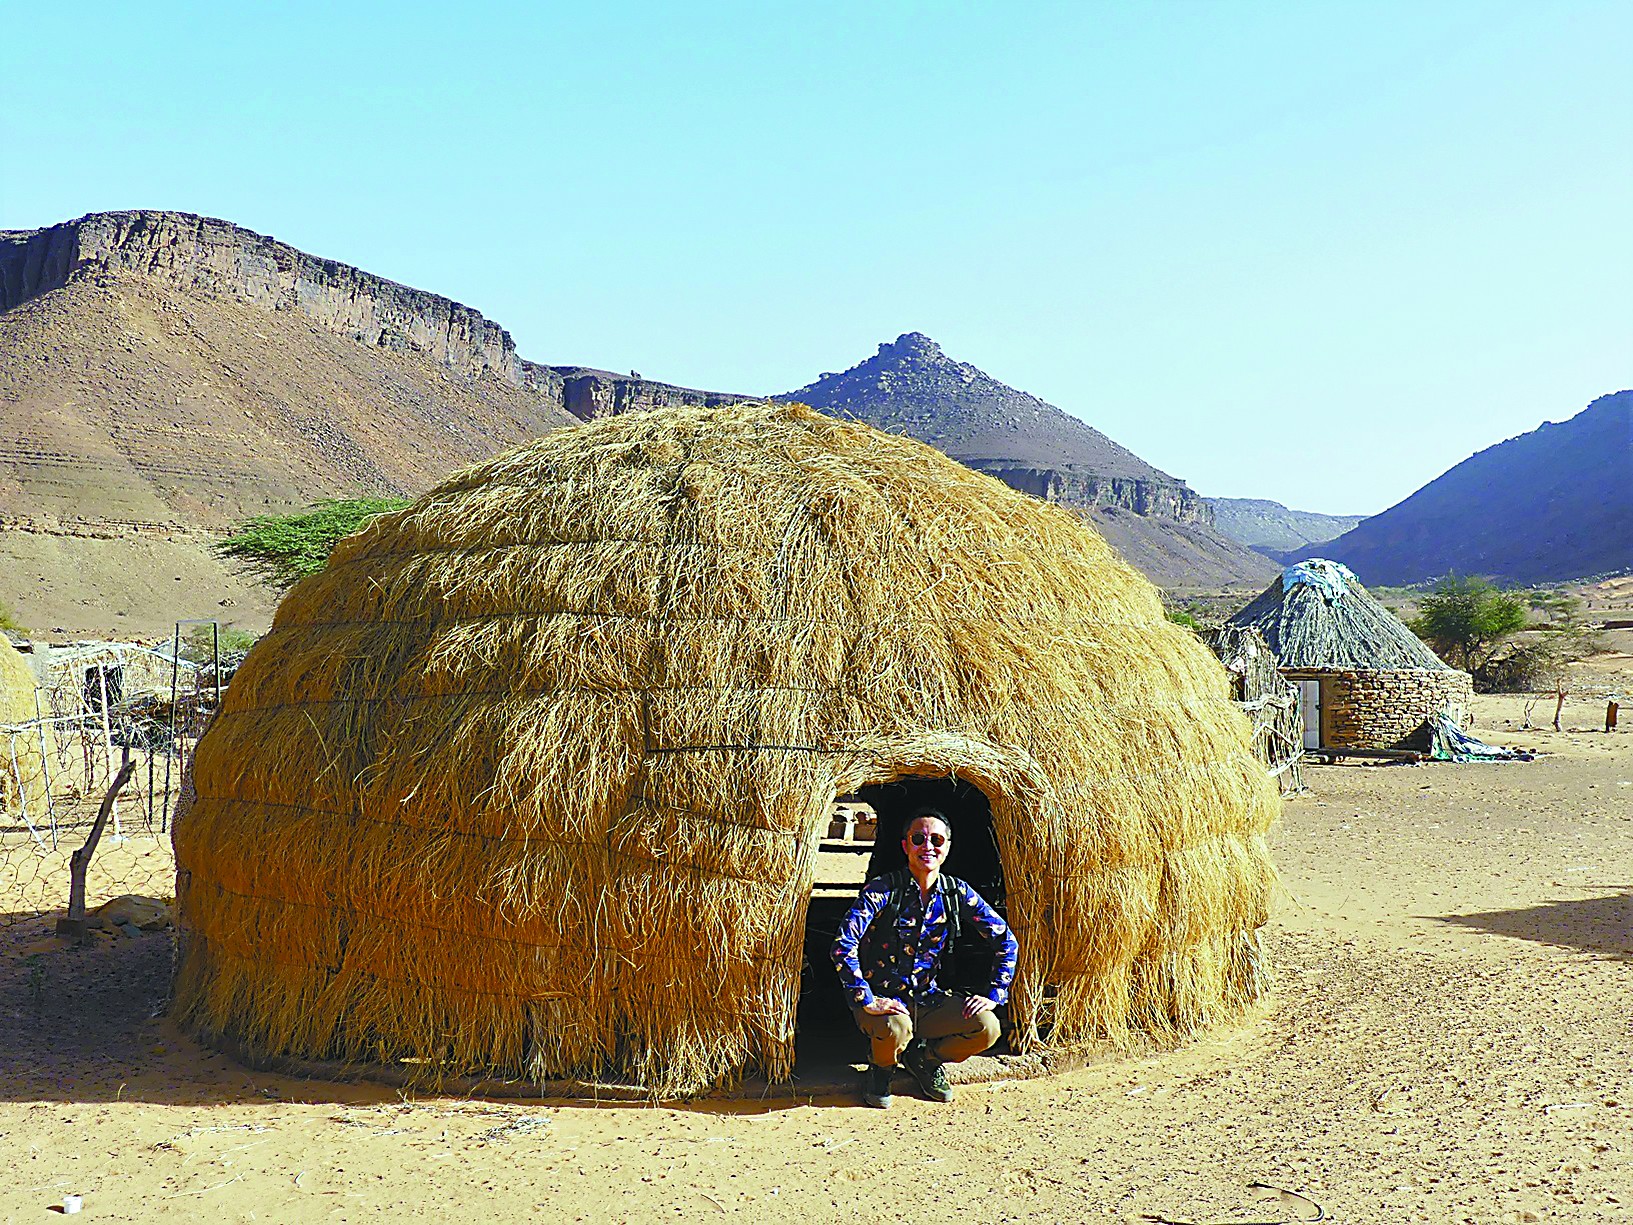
x=975 y=1005
x=881 y=1007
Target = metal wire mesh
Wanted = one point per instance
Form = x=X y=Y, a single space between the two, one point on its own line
x=94 y=702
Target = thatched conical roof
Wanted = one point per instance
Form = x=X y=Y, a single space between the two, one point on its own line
x=530 y=780
x=1318 y=615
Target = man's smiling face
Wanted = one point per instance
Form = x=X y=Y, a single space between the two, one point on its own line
x=926 y=842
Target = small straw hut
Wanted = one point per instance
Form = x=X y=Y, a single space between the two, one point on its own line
x=530 y=782
x=1365 y=680
x=82 y=679
x=22 y=770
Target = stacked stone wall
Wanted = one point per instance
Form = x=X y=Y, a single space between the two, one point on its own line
x=1386 y=709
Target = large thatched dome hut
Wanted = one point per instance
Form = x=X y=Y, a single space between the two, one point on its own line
x=1366 y=681
x=531 y=780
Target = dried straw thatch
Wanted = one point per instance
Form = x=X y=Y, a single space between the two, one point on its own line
x=22 y=772
x=530 y=781
x=1317 y=615
x=17 y=685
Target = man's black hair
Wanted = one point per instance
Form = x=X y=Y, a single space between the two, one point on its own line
x=928 y=811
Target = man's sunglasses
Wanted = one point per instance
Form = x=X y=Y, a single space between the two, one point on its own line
x=936 y=840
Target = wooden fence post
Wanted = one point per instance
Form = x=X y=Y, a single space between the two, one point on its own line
x=73 y=923
x=107 y=738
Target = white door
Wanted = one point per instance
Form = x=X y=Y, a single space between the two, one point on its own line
x=1309 y=697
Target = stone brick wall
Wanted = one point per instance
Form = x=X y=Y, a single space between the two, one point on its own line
x=1385 y=709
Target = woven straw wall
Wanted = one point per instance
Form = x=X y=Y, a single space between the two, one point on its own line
x=530 y=781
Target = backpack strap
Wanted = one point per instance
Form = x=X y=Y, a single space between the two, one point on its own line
x=952 y=898
x=892 y=909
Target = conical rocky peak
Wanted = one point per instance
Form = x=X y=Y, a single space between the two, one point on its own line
x=912 y=387
x=912 y=344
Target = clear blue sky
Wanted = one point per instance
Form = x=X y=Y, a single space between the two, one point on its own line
x=1316 y=252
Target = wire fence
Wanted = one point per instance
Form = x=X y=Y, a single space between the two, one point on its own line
x=95 y=703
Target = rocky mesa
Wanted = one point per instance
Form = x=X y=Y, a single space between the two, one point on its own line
x=164 y=375
x=208 y=256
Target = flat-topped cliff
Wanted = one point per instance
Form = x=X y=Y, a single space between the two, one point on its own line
x=213 y=256
x=587 y=393
x=210 y=256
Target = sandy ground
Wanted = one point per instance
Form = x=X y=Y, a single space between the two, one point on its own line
x=1449 y=1042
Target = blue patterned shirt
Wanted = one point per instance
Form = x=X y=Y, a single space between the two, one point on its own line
x=908 y=959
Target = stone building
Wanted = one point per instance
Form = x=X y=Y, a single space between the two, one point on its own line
x=1365 y=680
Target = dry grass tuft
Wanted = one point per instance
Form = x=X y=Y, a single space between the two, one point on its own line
x=530 y=780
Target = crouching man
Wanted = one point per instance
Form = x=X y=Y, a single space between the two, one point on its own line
x=892 y=947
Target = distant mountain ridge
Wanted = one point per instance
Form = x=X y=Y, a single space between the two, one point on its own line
x=1548 y=506
x=164 y=375
x=1271 y=528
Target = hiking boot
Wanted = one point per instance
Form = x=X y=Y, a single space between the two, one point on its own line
x=876 y=1086
x=930 y=1072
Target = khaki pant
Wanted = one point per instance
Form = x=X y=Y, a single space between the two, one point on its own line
x=951 y=1036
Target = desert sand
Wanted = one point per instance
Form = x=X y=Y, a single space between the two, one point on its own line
x=1449 y=1041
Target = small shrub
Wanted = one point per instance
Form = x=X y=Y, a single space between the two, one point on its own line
x=1539 y=659
x=9 y=623
x=1528 y=668
x=280 y=550
x=1468 y=621
x=198 y=646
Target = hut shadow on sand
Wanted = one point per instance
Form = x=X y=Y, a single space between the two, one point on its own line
x=91 y=1033
x=531 y=781
x=1599 y=925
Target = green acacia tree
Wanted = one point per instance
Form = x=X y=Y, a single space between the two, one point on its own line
x=1469 y=620
x=280 y=550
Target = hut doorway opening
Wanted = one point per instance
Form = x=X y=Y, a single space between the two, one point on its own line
x=826 y=1033
x=1309 y=697
x=974 y=855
